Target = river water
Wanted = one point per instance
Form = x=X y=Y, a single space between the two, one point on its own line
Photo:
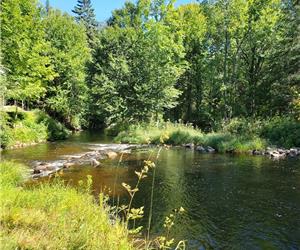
x=231 y=202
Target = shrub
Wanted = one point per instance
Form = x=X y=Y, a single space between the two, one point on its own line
x=282 y=131
x=243 y=127
x=55 y=129
x=29 y=127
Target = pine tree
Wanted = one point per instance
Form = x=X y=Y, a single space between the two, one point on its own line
x=47 y=6
x=85 y=14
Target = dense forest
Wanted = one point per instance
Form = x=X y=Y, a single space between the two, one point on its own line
x=203 y=63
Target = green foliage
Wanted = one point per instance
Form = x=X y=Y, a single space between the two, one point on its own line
x=279 y=131
x=55 y=129
x=282 y=131
x=69 y=53
x=85 y=14
x=24 y=50
x=29 y=127
x=136 y=66
x=23 y=129
x=53 y=216
x=11 y=174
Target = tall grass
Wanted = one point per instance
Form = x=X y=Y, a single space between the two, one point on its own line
x=29 y=127
x=178 y=134
x=54 y=216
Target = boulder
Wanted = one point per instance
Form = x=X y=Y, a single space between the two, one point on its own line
x=189 y=145
x=111 y=155
x=257 y=152
x=94 y=162
x=68 y=164
x=200 y=149
x=210 y=149
x=43 y=167
x=293 y=152
x=276 y=155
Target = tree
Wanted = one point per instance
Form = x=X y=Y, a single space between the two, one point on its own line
x=284 y=76
x=189 y=23
x=85 y=14
x=48 y=6
x=24 y=49
x=137 y=64
x=66 y=94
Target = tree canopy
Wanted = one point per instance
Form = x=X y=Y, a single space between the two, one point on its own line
x=204 y=62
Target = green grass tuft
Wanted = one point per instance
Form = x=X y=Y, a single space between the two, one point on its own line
x=53 y=216
x=178 y=134
x=29 y=127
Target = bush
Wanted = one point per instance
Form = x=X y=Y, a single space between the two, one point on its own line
x=24 y=129
x=55 y=129
x=282 y=131
x=29 y=127
x=243 y=127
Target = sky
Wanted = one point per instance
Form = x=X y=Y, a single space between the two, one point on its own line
x=103 y=8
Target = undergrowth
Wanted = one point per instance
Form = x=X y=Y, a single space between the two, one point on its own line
x=54 y=216
x=26 y=127
x=238 y=134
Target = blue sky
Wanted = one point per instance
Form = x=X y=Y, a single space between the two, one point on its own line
x=103 y=8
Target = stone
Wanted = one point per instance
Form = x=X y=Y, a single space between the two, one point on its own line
x=200 y=149
x=111 y=155
x=210 y=149
x=95 y=163
x=276 y=155
x=257 y=152
x=293 y=152
x=68 y=164
x=43 y=167
x=189 y=145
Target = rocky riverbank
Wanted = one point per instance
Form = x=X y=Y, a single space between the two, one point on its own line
x=93 y=157
x=273 y=153
x=99 y=152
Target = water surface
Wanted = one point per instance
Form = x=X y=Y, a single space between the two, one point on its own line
x=231 y=202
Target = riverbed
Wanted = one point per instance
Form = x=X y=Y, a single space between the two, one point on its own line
x=231 y=201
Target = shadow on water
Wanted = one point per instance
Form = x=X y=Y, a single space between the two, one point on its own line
x=232 y=202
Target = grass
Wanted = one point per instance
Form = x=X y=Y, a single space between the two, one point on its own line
x=178 y=134
x=27 y=127
x=53 y=216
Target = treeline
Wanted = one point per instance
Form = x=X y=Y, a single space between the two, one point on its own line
x=202 y=62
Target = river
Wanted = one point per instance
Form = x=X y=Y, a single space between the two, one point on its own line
x=231 y=202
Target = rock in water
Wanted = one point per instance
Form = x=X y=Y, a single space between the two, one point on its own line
x=111 y=155
x=200 y=149
x=68 y=164
x=293 y=152
x=210 y=149
x=95 y=163
x=276 y=155
x=189 y=145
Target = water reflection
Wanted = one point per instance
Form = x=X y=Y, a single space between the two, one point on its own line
x=232 y=202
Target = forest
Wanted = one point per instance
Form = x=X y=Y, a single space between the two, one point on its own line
x=203 y=63
x=190 y=113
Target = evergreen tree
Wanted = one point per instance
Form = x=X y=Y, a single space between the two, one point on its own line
x=47 y=6
x=85 y=14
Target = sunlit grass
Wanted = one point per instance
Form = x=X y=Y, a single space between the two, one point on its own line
x=178 y=134
x=27 y=127
x=54 y=216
